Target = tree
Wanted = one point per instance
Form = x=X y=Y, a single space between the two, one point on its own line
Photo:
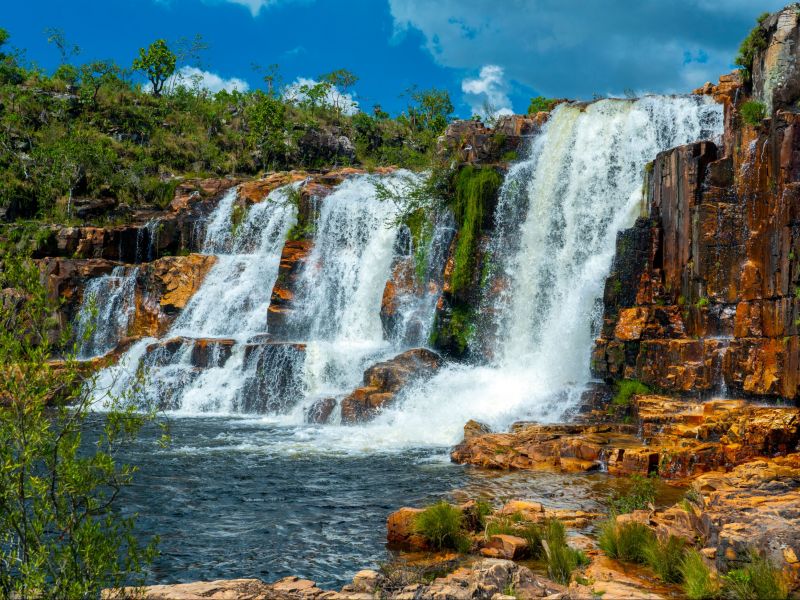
x=339 y=81
x=266 y=119
x=59 y=534
x=95 y=75
x=430 y=110
x=157 y=63
x=65 y=49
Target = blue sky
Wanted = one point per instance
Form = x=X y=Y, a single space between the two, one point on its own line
x=495 y=52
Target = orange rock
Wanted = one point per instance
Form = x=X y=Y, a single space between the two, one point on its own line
x=401 y=529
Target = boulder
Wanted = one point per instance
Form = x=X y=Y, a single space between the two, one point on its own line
x=401 y=529
x=505 y=546
x=384 y=381
x=320 y=411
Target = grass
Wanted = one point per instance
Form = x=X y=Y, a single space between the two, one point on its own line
x=753 y=112
x=514 y=525
x=442 y=524
x=698 y=581
x=561 y=559
x=758 y=579
x=626 y=541
x=626 y=390
x=665 y=557
x=640 y=495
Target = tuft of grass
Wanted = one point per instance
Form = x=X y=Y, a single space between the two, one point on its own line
x=626 y=390
x=698 y=581
x=640 y=495
x=442 y=524
x=665 y=557
x=561 y=559
x=756 y=580
x=626 y=541
x=514 y=525
x=753 y=112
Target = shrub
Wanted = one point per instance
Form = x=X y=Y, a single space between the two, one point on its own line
x=753 y=112
x=625 y=541
x=541 y=104
x=639 y=495
x=755 y=42
x=758 y=579
x=698 y=581
x=627 y=389
x=665 y=557
x=442 y=525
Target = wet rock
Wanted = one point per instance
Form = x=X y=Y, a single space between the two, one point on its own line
x=776 y=73
x=383 y=382
x=93 y=207
x=211 y=352
x=275 y=384
x=320 y=411
x=401 y=529
x=293 y=260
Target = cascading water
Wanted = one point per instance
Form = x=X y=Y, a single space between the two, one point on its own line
x=107 y=306
x=558 y=216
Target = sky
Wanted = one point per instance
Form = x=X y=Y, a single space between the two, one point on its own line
x=491 y=55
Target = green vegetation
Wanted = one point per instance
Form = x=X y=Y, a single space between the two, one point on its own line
x=442 y=524
x=755 y=42
x=561 y=559
x=92 y=130
x=698 y=581
x=626 y=389
x=640 y=495
x=626 y=541
x=757 y=579
x=60 y=533
x=514 y=525
x=753 y=112
x=702 y=302
x=665 y=557
x=541 y=104
x=474 y=191
x=455 y=332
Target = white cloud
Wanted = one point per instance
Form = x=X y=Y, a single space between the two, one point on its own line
x=346 y=102
x=488 y=93
x=254 y=6
x=191 y=76
x=575 y=48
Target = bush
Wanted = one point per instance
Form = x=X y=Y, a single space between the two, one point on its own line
x=665 y=557
x=627 y=389
x=758 y=579
x=640 y=495
x=443 y=526
x=753 y=112
x=698 y=581
x=626 y=541
x=755 y=42
x=541 y=104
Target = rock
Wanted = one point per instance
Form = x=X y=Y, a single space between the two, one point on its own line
x=401 y=529
x=776 y=73
x=320 y=411
x=510 y=547
x=472 y=142
x=383 y=382
x=474 y=429
x=233 y=589
x=366 y=581
x=93 y=207
x=293 y=260
x=276 y=384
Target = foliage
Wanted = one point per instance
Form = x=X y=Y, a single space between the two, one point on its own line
x=640 y=495
x=753 y=112
x=59 y=531
x=698 y=581
x=627 y=389
x=454 y=332
x=759 y=578
x=541 y=104
x=157 y=62
x=755 y=42
x=561 y=559
x=665 y=557
x=625 y=541
x=442 y=524
x=474 y=191
x=514 y=525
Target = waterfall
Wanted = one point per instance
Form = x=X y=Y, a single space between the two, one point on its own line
x=557 y=219
x=108 y=303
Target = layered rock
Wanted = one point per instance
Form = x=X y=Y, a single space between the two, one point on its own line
x=674 y=439
x=472 y=142
x=384 y=381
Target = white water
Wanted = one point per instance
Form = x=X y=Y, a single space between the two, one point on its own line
x=557 y=219
x=108 y=303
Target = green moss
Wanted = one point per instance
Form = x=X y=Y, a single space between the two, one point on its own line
x=456 y=332
x=474 y=190
x=420 y=227
x=753 y=112
x=702 y=302
x=755 y=42
x=626 y=389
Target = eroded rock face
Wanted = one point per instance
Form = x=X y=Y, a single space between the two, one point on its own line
x=702 y=294
x=383 y=382
x=472 y=142
x=675 y=439
x=776 y=71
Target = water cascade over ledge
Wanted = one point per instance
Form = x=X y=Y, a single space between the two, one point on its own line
x=559 y=211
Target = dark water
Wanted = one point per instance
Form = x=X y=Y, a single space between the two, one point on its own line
x=240 y=498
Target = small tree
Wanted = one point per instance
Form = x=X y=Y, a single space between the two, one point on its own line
x=157 y=63
x=94 y=75
x=340 y=80
x=59 y=534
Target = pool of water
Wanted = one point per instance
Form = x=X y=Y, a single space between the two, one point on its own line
x=236 y=498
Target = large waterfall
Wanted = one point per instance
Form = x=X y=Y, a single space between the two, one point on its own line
x=559 y=212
